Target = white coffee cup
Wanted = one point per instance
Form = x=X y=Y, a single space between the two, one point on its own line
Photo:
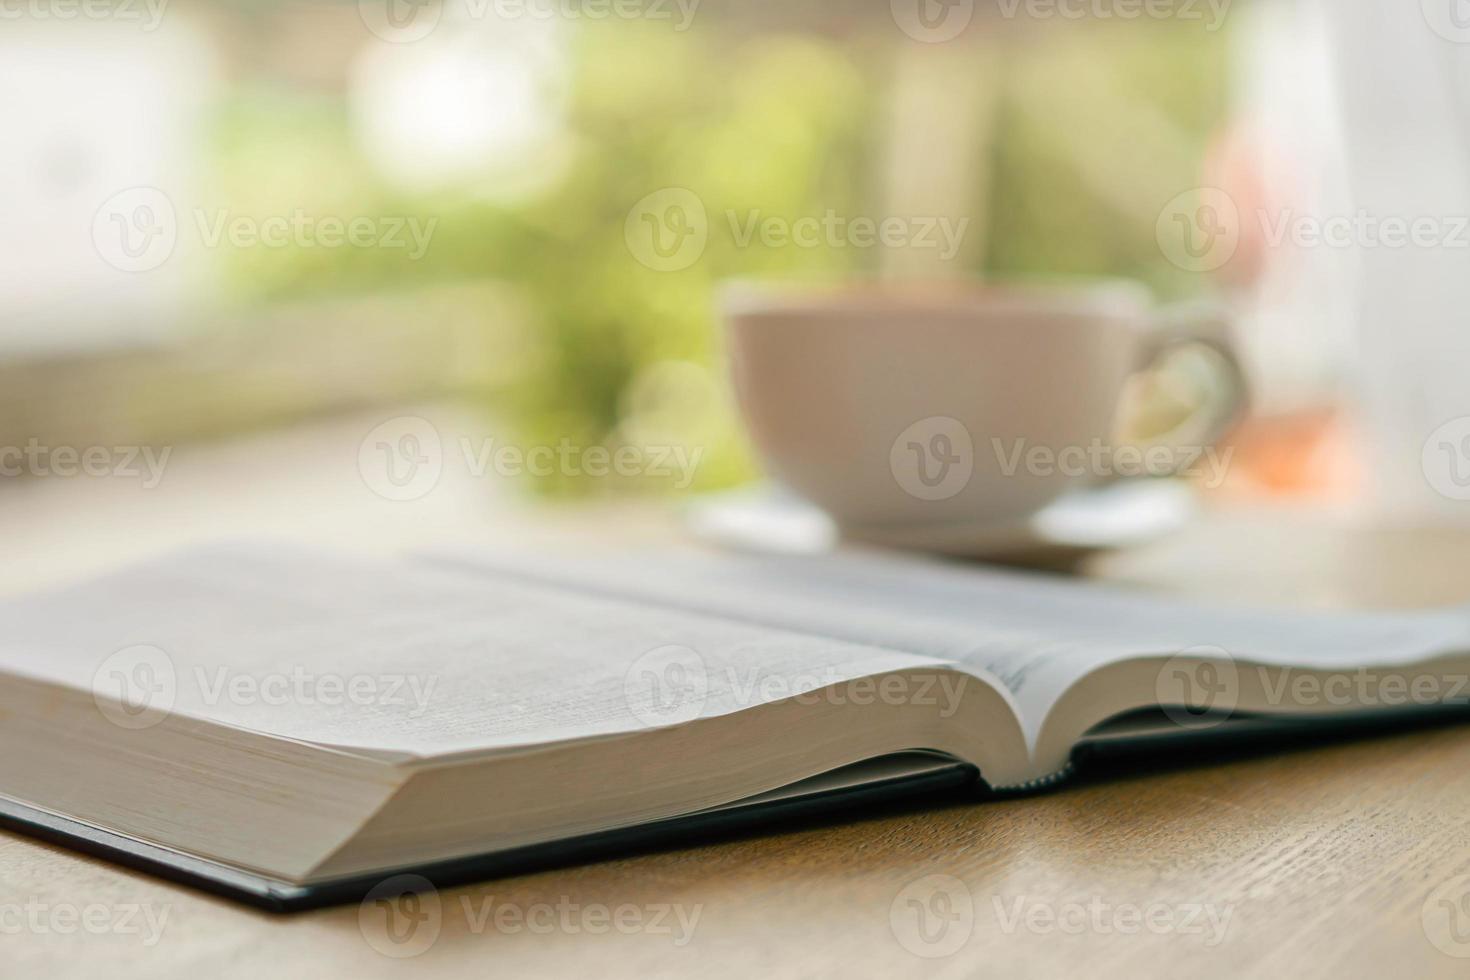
x=957 y=405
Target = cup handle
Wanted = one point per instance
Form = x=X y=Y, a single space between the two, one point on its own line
x=1204 y=326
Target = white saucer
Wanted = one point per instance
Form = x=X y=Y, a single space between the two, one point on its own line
x=1117 y=515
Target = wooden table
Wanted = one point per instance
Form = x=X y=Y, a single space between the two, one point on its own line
x=1334 y=860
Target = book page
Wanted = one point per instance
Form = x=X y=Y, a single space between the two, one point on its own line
x=1036 y=634
x=400 y=657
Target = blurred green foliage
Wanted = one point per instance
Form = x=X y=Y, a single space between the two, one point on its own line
x=788 y=124
x=1097 y=132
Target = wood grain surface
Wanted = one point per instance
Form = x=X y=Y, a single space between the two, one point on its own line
x=1335 y=859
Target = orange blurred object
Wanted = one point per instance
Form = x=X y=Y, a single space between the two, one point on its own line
x=1310 y=454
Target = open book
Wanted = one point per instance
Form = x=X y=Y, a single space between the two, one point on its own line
x=291 y=727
